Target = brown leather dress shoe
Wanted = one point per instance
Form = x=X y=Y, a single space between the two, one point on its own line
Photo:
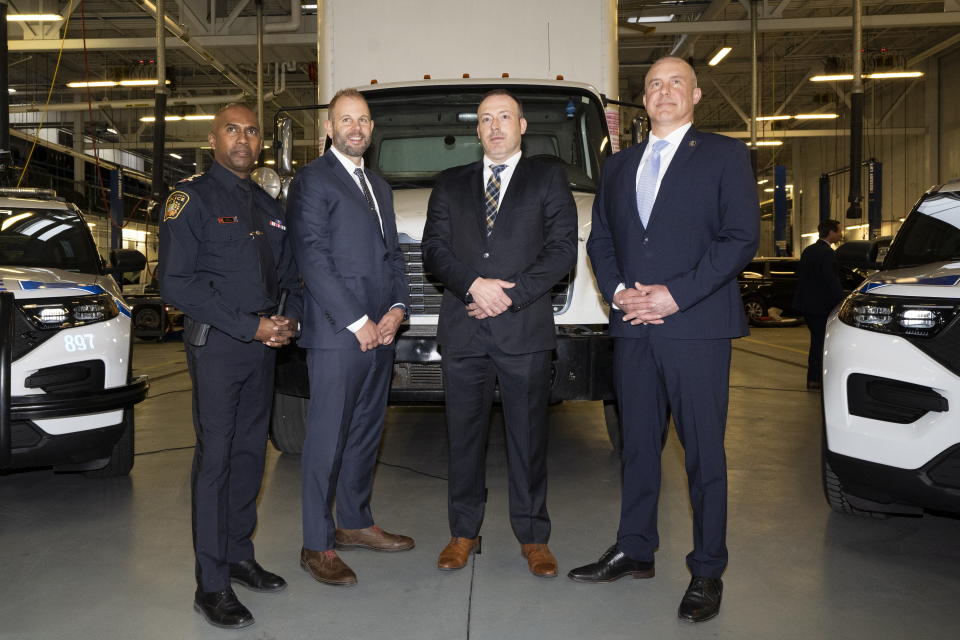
x=541 y=562
x=327 y=567
x=456 y=553
x=372 y=538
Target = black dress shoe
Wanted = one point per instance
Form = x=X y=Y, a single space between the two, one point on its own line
x=612 y=565
x=222 y=609
x=256 y=578
x=702 y=599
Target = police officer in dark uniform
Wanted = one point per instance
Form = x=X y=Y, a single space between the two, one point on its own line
x=224 y=261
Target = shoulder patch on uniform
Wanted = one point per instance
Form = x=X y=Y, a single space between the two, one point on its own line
x=176 y=201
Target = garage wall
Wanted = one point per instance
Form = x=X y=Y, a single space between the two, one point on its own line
x=912 y=161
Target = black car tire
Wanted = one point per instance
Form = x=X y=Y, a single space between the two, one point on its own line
x=288 y=424
x=612 y=417
x=755 y=308
x=121 y=458
x=836 y=496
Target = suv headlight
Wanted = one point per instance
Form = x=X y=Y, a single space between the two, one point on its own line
x=902 y=316
x=64 y=313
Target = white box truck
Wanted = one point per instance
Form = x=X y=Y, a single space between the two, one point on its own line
x=423 y=84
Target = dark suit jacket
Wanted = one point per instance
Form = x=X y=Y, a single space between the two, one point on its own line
x=534 y=244
x=703 y=229
x=349 y=268
x=818 y=280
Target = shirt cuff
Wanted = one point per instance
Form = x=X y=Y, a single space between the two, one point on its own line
x=358 y=324
x=620 y=287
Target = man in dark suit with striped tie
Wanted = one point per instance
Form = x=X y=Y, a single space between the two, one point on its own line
x=344 y=237
x=499 y=234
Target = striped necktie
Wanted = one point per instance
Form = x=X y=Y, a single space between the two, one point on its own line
x=491 y=196
x=647 y=183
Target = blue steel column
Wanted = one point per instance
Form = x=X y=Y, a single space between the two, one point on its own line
x=116 y=209
x=780 y=210
x=874 y=196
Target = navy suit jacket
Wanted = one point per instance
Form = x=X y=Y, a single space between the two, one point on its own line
x=533 y=244
x=818 y=284
x=348 y=268
x=702 y=231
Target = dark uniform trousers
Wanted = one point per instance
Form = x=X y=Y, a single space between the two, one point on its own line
x=469 y=376
x=232 y=396
x=690 y=377
x=817 y=325
x=348 y=404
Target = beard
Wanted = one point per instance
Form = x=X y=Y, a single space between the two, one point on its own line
x=344 y=146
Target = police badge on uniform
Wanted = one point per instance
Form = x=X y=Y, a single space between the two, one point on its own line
x=176 y=201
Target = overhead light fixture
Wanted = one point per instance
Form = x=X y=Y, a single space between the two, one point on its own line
x=872 y=76
x=857 y=226
x=813 y=234
x=11 y=90
x=269 y=162
x=764 y=181
x=649 y=19
x=113 y=131
x=768 y=190
x=767 y=143
x=199 y=116
x=816 y=116
x=34 y=17
x=759 y=118
x=308 y=6
x=719 y=55
x=177 y=156
x=147 y=82
x=166 y=118
x=91 y=83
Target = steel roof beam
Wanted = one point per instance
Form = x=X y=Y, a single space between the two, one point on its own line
x=825 y=23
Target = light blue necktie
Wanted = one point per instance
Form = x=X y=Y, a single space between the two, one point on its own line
x=647 y=183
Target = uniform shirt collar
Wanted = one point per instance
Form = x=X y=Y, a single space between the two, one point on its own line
x=345 y=160
x=226 y=177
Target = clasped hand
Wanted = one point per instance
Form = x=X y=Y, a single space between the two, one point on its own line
x=646 y=303
x=370 y=335
x=489 y=298
x=276 y=331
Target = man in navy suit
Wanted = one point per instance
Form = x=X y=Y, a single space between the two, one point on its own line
x=499 y=234
x=345 y=241
x=818 y=291
x=674 y=222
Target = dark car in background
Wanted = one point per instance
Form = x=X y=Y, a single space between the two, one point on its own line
x=769 y=283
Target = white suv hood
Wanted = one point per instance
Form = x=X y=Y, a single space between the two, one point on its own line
x=935 y=280
x=27 y=282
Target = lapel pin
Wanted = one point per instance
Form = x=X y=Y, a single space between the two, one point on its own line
x=692 y=143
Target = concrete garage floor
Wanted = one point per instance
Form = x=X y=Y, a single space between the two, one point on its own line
x=112 y=559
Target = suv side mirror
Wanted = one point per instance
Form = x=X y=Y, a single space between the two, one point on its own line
x=122 y=260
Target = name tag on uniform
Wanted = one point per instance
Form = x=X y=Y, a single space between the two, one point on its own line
x=228 y=219
x=277 y=224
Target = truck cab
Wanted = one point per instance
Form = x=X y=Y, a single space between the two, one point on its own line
x=423 y=128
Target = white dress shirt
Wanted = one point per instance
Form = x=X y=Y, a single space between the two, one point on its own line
x=666 y=157
x=351 y=166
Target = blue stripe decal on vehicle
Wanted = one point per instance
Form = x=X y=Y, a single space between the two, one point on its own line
x=32 y=285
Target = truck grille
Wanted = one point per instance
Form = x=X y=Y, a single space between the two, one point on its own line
x=426 y=292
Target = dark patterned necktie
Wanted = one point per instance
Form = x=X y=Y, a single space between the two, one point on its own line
x=491 y=196
x=366 y=194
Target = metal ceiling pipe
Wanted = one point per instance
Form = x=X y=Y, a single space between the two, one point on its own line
x=293 y=24
x=856 y=115
x=205 y=55
x=5 y=157
x=754 y=87
x=158 y=190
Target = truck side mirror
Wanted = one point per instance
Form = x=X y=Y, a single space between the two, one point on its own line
x=123 y=260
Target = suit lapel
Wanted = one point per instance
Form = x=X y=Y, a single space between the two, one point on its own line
x=475 y=195
x=672 y=179
x=345 y=178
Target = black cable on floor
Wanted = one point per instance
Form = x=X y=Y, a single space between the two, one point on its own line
x=412 y=470
x=743 y=386
x=166 y=393
x=150 y=453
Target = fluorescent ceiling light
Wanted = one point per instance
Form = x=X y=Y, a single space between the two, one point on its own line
x=719 y=55
x=649 y=19
x=166 y=118
x=11 y=90
x=767 y=143
x=873 y=76
x=178 y=157
x=809 y=235
x=111 y=83
x=896 y=74
x=773 y=118
x=269 y=162
x=34 y=17
x=199 y=116
x=857 y=226
x=113 y=131
x=816 y=116
x=91 y=83
x=764 y=181
x=768 y=190
x=308 y=6
x=144 y=82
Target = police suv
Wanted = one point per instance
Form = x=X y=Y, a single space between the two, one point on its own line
x=66 y=387
x=891 y=387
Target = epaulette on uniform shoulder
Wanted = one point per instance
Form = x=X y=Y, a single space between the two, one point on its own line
x=190 y=179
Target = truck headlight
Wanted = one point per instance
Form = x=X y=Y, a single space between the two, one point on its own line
x=63 y=313
x=903 y=316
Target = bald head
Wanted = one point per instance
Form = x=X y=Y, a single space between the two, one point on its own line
x=235 y=138
x=669 y=94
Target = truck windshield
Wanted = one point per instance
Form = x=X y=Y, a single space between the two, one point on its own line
x=50 y=238
x=421 y=131
x=931 y=233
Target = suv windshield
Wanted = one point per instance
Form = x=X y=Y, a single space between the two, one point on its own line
x=421 y=131
x=931 y=233
x=51 y=238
